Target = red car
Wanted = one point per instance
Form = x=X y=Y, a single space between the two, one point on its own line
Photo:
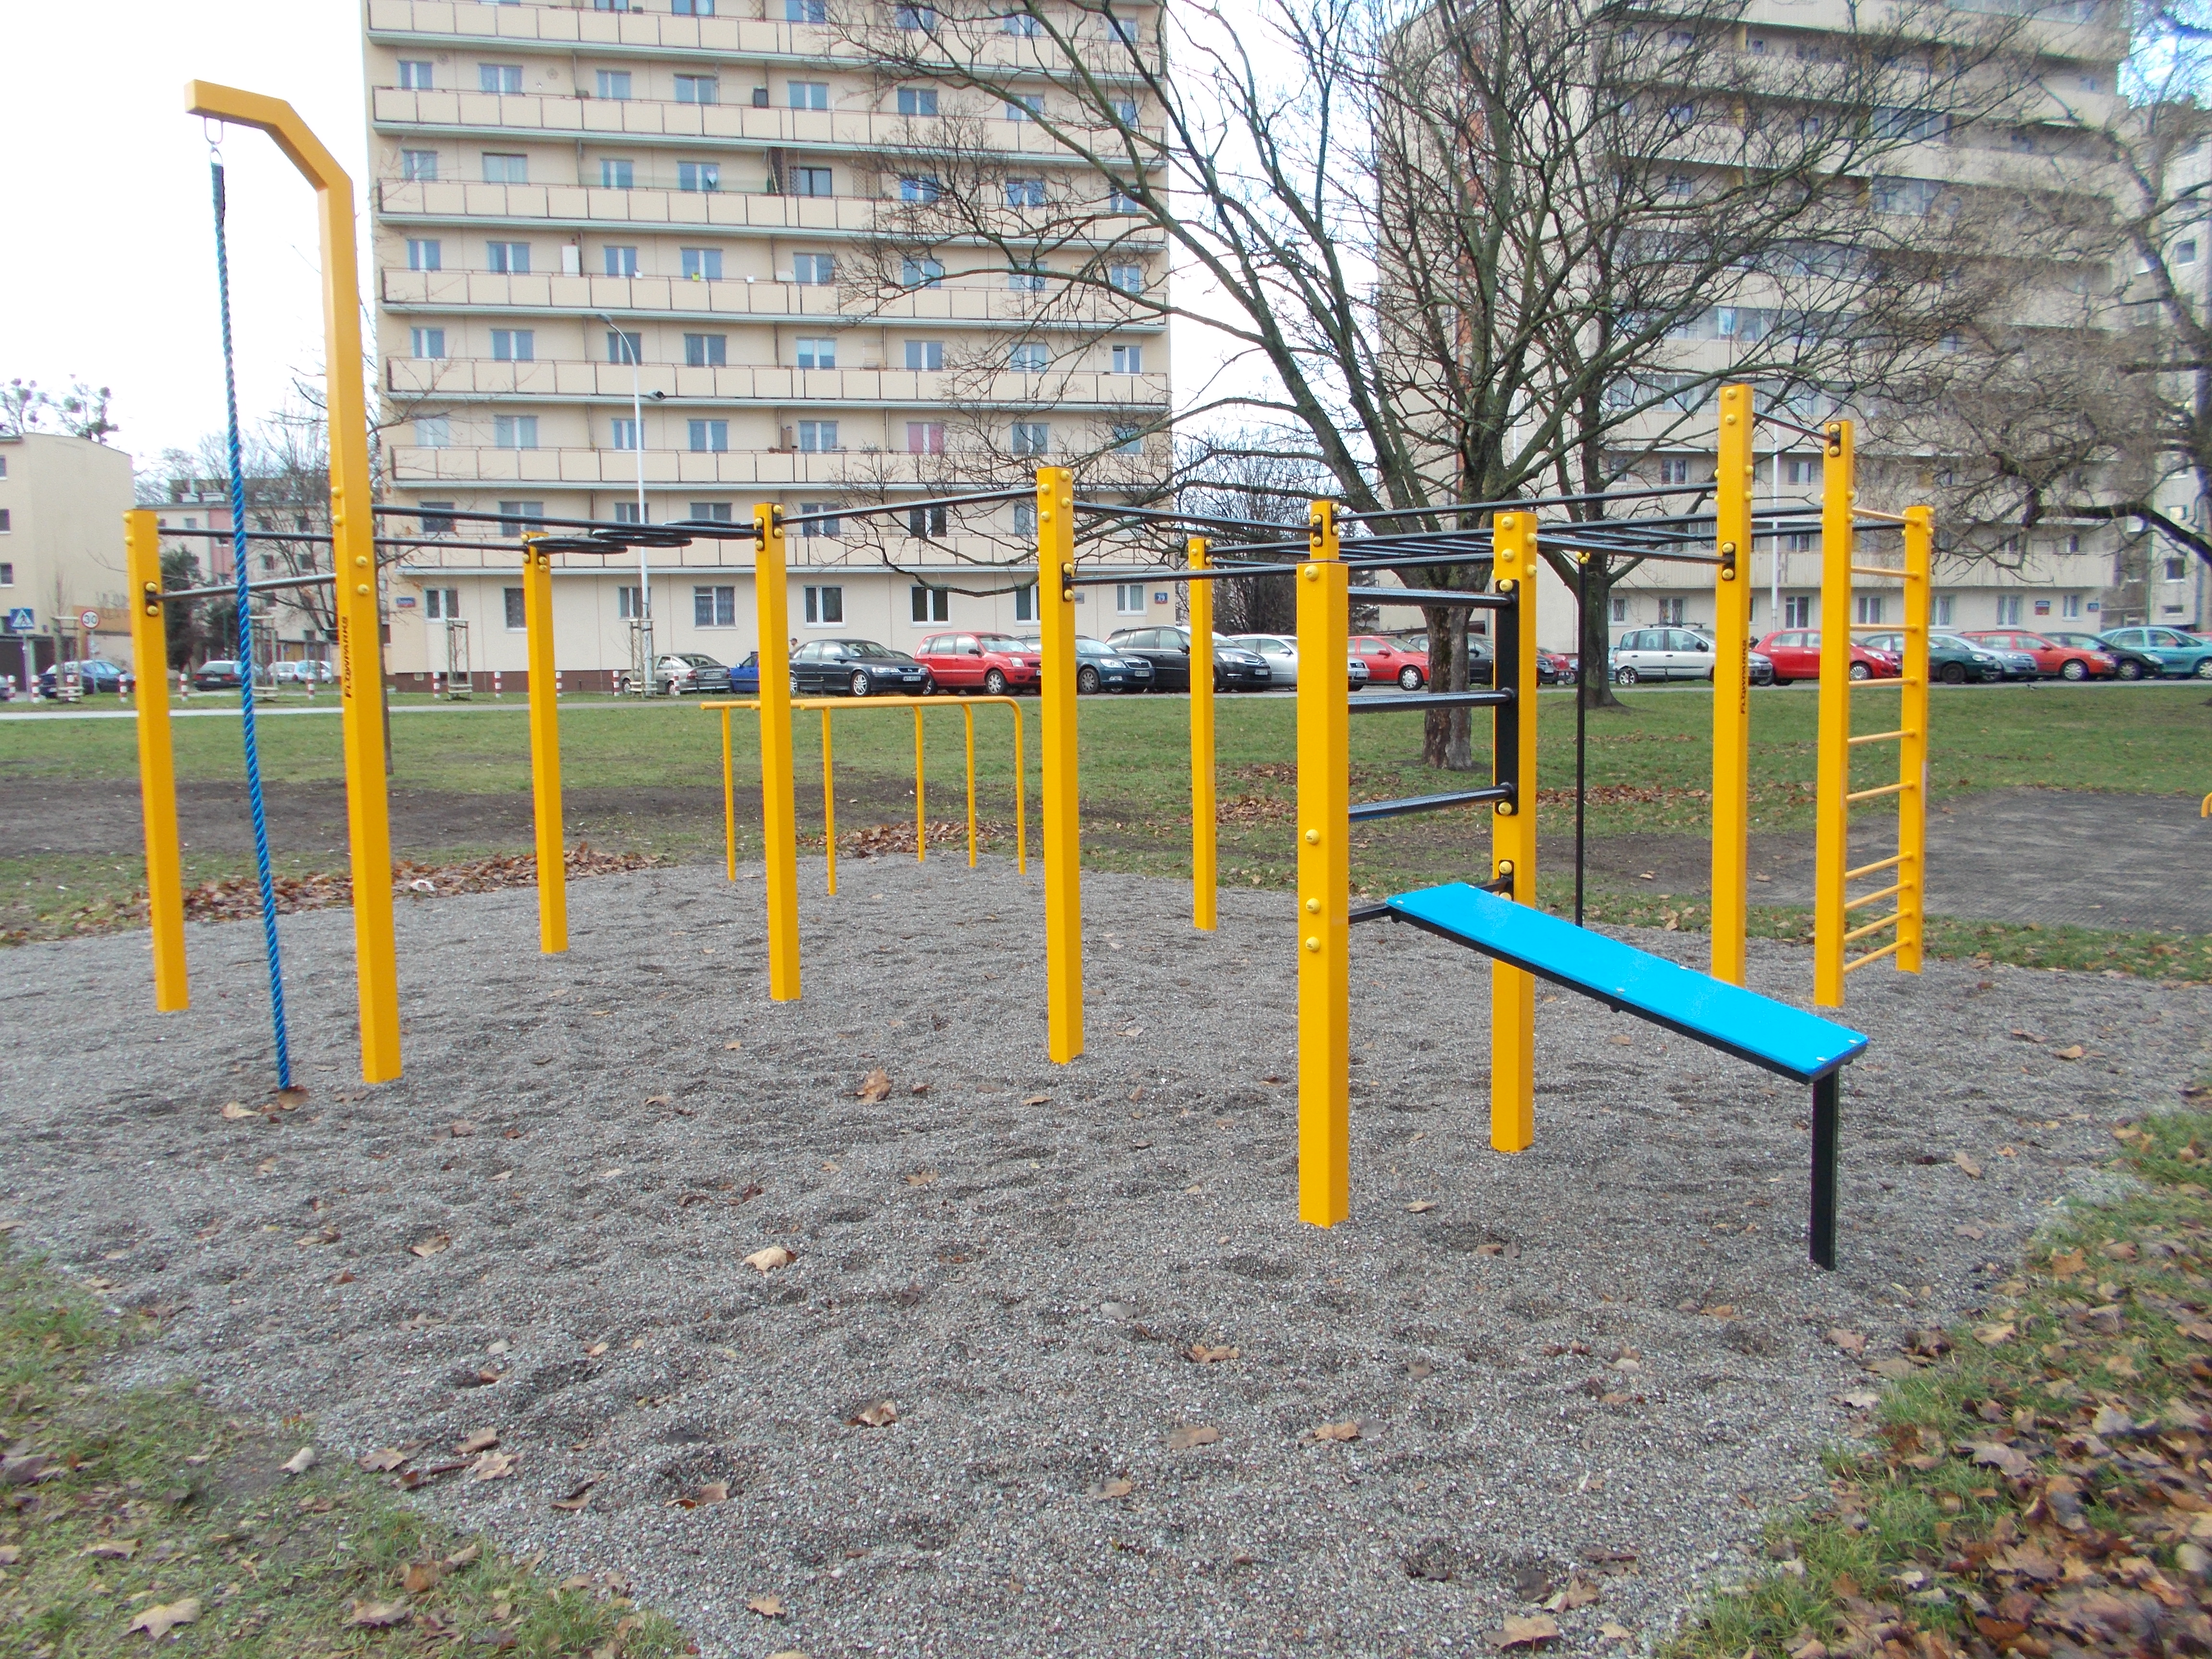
x=1795 y=653
x=1388 y=660
x=995 y=664
x=2065 y=662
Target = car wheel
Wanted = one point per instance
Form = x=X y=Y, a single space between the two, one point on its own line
x=795 y=690
x=1409 y=678
x=1087 y=680
x=2073 y=669
x=994 y=684
x=1625 y=676
x=1220 y=683
x=859 y=685
x=1954 y=673
x=2203 y=669
x=1860 y=671
x=2130 y=669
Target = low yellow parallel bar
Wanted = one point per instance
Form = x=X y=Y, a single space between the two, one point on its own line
x=1879 y=517
x=1889 y=920
x=1731 y=531
x=920 y=823
x=828 y=807
x=157 y=765
x=1324 y=922
x=1901 y=572
x=1060 y=804
x=1873 y=628
x=1861 y=902
x=1856 y=962
x=779 y=815
x=1204 y=833
x=1893 y=682
x=1869 y=869
x=1875 y=794
x=1876 y=737
x=545 y=751
x=729 y=804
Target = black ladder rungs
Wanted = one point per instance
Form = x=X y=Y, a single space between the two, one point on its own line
x=1391 y=809
x=1431 y=596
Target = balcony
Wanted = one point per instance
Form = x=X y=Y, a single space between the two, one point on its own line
x=554 y=380
x=616 y=469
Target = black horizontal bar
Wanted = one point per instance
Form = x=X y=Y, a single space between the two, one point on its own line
x=1422 y=702
x=1370 y=913
x=976 y=499
x=229 y=590
x=251 y=535
x=1515 y=504
x=1176 y=516
x=527 y=520
x=1392 y=809
x=1434 y=596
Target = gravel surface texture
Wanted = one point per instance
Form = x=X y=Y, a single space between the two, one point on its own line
x=1604 y=1358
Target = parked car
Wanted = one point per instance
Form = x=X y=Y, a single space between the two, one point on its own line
x=675 y=673
x=1661 y=653
x=995 y=664
x=218 y=674
x=1796 y=654
x=859 y=668
x=1168 y=650
x=1100 y=667
x=744 y=677
x=1951 y=659
x=2128 y=663
x=2052 y=659
x=1280 y=653
x=1388 y=660
x=93 y=674
x=310 y=672
x=2176 y=652
x=1481 y=655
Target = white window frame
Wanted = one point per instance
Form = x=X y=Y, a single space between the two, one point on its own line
x=929 y=607
x=417 y=75
x=701 y=265
x=817 y=350
x=816 y=603
x=720 y=604
x=614 y=85
x=706 y=351
x=432 y=338
x=425 y=253
x=514 y=607
x=623 y=434
x=1869 y=607
x=707 y=437
x=1128 y=598
x=1797 y=610
x=1025 y=604
x=807 y=94
x=817 y=437
x=1129 y=360
x=627 y=608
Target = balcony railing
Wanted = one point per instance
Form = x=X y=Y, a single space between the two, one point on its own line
x=747 y=383
x=616 y=469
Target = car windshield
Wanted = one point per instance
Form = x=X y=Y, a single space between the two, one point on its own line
x=870 y=649
x=1000 y=643
x=1089 y=647
x=1951 y=641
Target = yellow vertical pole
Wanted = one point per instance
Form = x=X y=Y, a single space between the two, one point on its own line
x=729 y=804
x=1324 y=932
x=157 y=765
x=353 y=554
x=545 y=749
x=1832 y=813
x=1731 y=682
x=779 y=819
x=1912 y=748
x=1513 y=836
x=1063 y=829
x=920 y=826
x=969 y=710
x=1021 y=797
x=1204 y=879
x=828 y=807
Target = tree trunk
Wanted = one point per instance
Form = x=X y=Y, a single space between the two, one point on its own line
x=1595 y=637
x=1447 y=733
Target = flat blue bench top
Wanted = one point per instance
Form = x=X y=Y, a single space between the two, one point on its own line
x=1767 y=1033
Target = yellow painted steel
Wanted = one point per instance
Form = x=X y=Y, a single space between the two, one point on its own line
x=1513 y=849
x=1060 y=804
x=157 y=765
x=545 y=749
x=920 y=824
x=1912 y=749
x=779 y=817
x=1732 y=482
x=1831 y=814
x=729 y=804
x=828 y=807
x=969 y=710
x=1889 y=950
x=353 y=551
x=1324 y=932
x=1204 y=879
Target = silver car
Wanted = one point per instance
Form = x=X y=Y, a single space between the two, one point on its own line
x=1280 y=653
x=1661 y=653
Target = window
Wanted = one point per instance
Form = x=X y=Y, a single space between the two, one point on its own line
x=923 y=18
x=695 y=89
x=1906 y=196
x=1031 y=437
x=627 y=605
x=926 y=521
x=808 y=94
x=629 y=512
x=614 y=84
x=817 y=351
x=917 y=100
x=1128 y=439
x=425 y=253
x=810 y=182
x=1024 y=192
x=429 y=343
x=514 y=431
x=514 y=345
x=921 y=273
x=504 y=169
x=2073 y=543
x=1620 y=609
x=434 y=521
x=706 y=350
x=1800 y=472
x=441 y=604
x=434 y=431
x=532 y=514
x=2177 y=570
x=421 y=164
x=617 y=175
x=698 y=176
x=2184 y=252
x=709 y=437
x=1869 y=608
x=930 y=605
x=1674 y=471
x=925 y=437
x=1672 y=611
x=512 y=258
x=518 y=620
x=414 y=75
x=625 y=347
x=925 y=354
x=818 y=526
x=1125 y=111
x=1028 y=358
x=1797 y=610
x=1129 y=360
x=2070 y=607
x=498 y=77
x=805 y=11
x=711 y=512
x=7 y=571
x=817 y=437
x=1942 y=610
x=1025 y=604
x=1025 y=279
x=713 y=607
x=2009 y=610
x=622 y=433
x=1129 y=279
x=1020 y=23
x=1025 y=518
x=692 y=8
x=1025 y=106
x=701 y=265
x=824 y=607
x=619 y=261
x=813 y=269
x=1121 y=29
x=921 y=187
x=1128 y=598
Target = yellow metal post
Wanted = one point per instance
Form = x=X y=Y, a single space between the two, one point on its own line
x=920 y=824
x=1731 y=682
x=969 y=710
x=353 y=551
x=779 y=821
x=1832 y=812
x=1513 y=839
x=1063 y=830
x=729 y=804
x=545 y=749
x=1021 y=794
x=157 y=765
x=1324 y=932
x=829 y=808
x=1912 y=748
x=1204 y=878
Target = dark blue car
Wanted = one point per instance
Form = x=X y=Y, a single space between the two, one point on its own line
x=93 y=674
x=855 y=668
x=744 y=677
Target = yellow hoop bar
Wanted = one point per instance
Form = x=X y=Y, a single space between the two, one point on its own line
x=157 y=763
x=828 y=807
x=1874 y=897
x=1875 y=736
x=1731 y=684
x=545 y=751
x=1869 y=869
x=1059 y=803
x=1324 y=930
x=1876 y=794
x=1204 y=836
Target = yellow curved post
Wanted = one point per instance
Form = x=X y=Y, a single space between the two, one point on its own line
x=545 y=751
x=828 y=807
x=1324 y=933
x=969 y=710
x=157 y=765
x=779 y=819
x=1513 y=834
x=1205 y=880
x=1731 y=684
x=729 y=804
x=353 y=552
x=1831 y=813
x=1063 y=826
x=1912 y=757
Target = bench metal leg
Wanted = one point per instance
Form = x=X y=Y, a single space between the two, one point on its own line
x=1828 y=1098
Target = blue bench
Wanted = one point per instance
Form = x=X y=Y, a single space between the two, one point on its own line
x=1786 y=1041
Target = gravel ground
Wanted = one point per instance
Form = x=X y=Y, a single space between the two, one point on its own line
x=1610 y=1346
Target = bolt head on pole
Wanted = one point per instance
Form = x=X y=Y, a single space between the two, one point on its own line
x=1313 y=837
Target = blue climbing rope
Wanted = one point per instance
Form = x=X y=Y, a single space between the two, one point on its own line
x=246 y=650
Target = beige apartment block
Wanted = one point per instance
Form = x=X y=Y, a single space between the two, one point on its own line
x=663 y=238
x=62 y=502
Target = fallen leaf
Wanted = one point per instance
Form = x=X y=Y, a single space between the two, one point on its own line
x=2013 y=1463
x=267 y=1166
x=423 y=1576
x=1189 y=1435
x=577 y=1499
x=300 y=1461
x=1119 y=1488
x=464 y=1555
x=481 y=1440
x=430 y=1246
x=922 y=1178
x=114 y=1549
x=1860 y=1400
x=377 y=1615
x=1849 y=1342
x=769 y=1258
x=769 y=1607
x=1967 y=1164
x=716 y=1492
x=460 y=1129
x=1422 y=1207
x=2066 y=1263
x=1991 y=1336
x=1719 y=1310
x=1579 y=1592
x=1209 y=1356
x=733 y=1045
x=877 y=1085
x=235 y=1110
x=1036 y=1100
x=918 y=1088
x=881 y=1415
x=492 y=1466
x=1348 y=1429
x=1528 y=1633
x=1896 y=1369
x=1609 y=1631
x=2074 y=1052
x=159 y=1622
x=595 y=1351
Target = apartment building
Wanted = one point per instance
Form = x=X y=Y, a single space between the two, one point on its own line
x=644 y=264
x=62 y=502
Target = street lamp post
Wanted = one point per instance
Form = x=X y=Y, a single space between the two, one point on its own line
x=637 y=445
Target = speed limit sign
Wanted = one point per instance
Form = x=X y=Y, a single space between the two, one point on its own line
x=89 y=619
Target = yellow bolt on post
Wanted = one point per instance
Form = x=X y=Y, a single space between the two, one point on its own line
x=1832 y=777
x=1513 y=833
x=1912 y=747
x=1732 y=684
x=1060 y=804
x=779 y=818
x=1204 y=877
x=157 y=765
x=353 y=551
x=1324 y=932
x=545 y=749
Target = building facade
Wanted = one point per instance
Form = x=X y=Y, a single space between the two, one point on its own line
x=62 y=502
